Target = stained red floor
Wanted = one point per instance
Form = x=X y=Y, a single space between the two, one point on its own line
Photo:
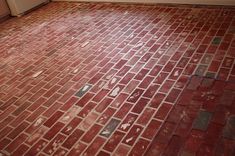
x=114 y=79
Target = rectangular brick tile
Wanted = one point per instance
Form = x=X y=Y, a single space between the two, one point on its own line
x=85 y=99
x=72 y=139
x=17 y=142
x=133 y=134
x=20 y=150
x=127 y=122
x=140 y=147
x=20 y=118
x=86 y=109
x=202 y=120
x=94 y=147
x=135 y=95
x=35 y=114
x=163 y=111
x=36 y=148
x=145 y=117
x=71 y=126
x=157 y=100
x=127 y=78
x=19 y=129
x=88 y=121
x=35 y=125
x=174 y=146
x=52 y=100
x=228 y=131
x=114 y=140
x=4 y=142
x=72 y=101
x=165 y=133
x=52 y=109
x=91 y=133
x=107 y=114
x=110 y=128
x=173 y=95
x=53 y=130
x=100 y=95
x=53 y=118
x=78 y=148
x=140 y=105
x=54 y=144
x=83 y=90
x=152 y=129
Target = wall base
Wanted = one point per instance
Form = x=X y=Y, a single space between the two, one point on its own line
x=203 y=2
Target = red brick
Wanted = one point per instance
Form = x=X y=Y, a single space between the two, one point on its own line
x=8 y=111
x=69 y=103
x=194 y=141
x=173 y=95
x=52 y=100
x=67 y=96
x=114 y=140
x=127 y=122
x=7 y=120
x=103 y=105
x=71 y=126
x=140 y=105
x=53 y=130
x=85 y=99
x=61 y=151
x=161 y=78
x=51 y=91
x=163 y=111
x=17 y=142
x=152 y=129
x=20 y=150
x=127 y=78
x=140 y=147
x=8 y=103
x=133 y=134
x=20 y=118
x=157 y=100
x=135 y=95
x=4 y=142
x=86 y=109
x=91 y=133
x=36 y=148
x=88 y=121
x=19 y=129
x=77 y=149
x=52 y=109
x=100 y=95
x=165 y=88
x=54 y=144
x=94 y=147
x=53 y=118
x=35 y=114
x=108 y=113
x=37 y=104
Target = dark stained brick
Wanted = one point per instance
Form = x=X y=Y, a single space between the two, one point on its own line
x=229 y=129
x=216 y=40
x=83 y=90
x=202 y=120
x=109 y=128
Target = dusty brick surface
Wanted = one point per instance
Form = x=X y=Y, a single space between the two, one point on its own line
x=118 y=79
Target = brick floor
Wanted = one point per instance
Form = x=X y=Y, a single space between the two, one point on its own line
x=116 y=79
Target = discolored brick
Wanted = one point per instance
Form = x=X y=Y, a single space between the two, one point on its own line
x=202 y=120
x=110 y=127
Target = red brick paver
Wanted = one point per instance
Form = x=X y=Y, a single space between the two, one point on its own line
x=118 y=79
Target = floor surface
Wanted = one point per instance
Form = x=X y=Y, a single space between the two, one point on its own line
x=116 y=79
